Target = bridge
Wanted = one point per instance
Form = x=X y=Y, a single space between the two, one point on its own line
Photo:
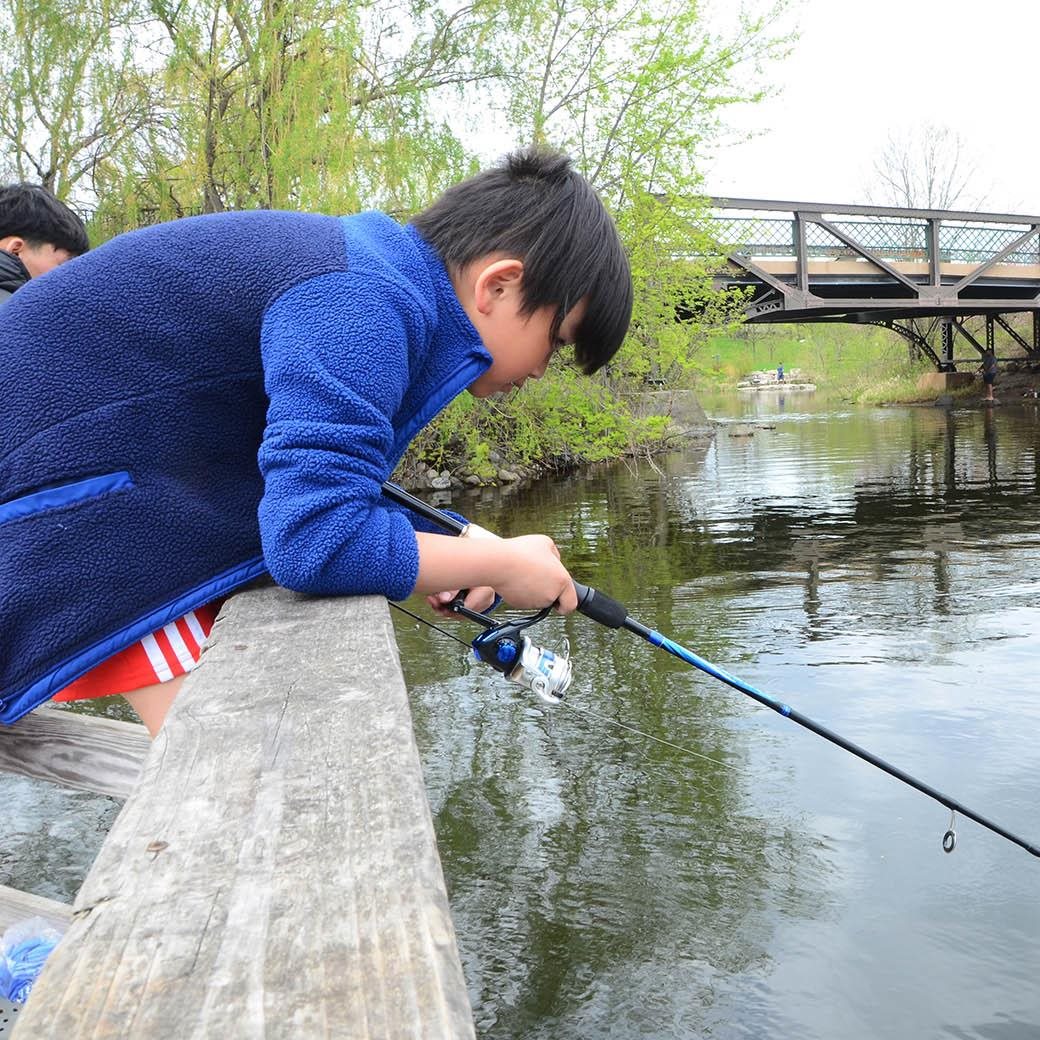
x=935 y=277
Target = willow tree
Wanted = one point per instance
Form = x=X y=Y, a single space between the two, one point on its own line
x=73 y=89
x=309 y=103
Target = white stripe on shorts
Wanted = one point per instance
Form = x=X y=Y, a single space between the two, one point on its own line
x=180 y=648
x=156 y=659
x=194 y=628
x=191 y=620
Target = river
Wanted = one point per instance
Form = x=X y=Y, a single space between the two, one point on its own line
x=878 y=569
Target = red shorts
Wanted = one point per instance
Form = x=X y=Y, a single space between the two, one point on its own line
x=173 y=650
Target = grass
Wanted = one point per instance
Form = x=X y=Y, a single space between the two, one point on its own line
x=859 y=364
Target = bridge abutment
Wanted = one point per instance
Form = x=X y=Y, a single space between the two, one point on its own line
x=944 y=382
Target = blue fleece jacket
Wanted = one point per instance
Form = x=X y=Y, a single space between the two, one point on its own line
x=196 y=402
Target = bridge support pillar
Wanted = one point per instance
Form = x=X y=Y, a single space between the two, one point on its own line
x=946 y=327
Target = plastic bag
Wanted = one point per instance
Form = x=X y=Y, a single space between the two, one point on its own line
x=23 y=950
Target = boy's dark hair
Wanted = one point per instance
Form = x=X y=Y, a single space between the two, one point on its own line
x=537 y=208
x=33 y=213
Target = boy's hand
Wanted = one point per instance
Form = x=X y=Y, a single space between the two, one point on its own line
x=526 y=572
x=533 y=575
x=476 y=599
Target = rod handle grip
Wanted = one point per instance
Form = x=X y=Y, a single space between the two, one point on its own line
x=600 y=607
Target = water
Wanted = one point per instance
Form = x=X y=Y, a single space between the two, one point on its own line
x=878 y=569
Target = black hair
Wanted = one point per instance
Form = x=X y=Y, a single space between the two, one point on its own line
x=33 y=213
x=535 y=207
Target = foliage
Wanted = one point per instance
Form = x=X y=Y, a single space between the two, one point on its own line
x=153 y=109
x=305 y=105
x=634 y=91
x=557 y=423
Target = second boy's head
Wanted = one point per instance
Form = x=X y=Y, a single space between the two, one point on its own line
x=41 y=231
x=536 y=262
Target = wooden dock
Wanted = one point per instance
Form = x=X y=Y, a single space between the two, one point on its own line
x=274 y=871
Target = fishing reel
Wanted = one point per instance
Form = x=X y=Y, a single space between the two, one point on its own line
x=507 y=649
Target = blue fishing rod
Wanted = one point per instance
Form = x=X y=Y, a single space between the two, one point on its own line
x=498 y=643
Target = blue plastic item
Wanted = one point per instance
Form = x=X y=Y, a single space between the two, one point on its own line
x=24 y=948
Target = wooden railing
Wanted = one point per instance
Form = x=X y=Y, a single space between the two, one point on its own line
x=102 y=756
x=274 y=872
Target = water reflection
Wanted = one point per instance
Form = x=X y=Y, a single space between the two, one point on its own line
x=877 y=568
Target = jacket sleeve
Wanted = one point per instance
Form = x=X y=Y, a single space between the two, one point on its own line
x=335 y=354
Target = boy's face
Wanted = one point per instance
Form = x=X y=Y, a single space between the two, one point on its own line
x=521 y=345
x=38 y=259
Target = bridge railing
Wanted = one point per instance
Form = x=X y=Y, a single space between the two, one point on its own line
x=891 y=240
x=274 y=873
x=750 y=227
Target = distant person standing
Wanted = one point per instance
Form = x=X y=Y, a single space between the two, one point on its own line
x=780 y=372
x=37 y=233
x=989 y=373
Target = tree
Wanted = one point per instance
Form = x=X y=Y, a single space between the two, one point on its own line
x=309 y=104
x=927 y=167
x=634 y=90
x=72 y=89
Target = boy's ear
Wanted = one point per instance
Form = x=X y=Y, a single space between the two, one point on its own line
x=12 y=244
x=496 y=281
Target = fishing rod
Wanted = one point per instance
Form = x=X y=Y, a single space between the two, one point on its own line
x=555 y=677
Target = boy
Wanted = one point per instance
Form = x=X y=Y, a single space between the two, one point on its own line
x=141 y=386
x=37 y=232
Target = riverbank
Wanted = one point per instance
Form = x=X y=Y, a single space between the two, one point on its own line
x=518 y=440
x=849 y=363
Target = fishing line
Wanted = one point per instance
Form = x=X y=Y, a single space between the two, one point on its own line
x=430 y=624
x=492 y=644
x=583 y=710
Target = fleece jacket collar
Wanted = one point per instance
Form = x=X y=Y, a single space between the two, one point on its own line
x=13 y=273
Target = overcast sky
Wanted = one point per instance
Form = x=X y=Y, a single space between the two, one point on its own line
x=863 y=69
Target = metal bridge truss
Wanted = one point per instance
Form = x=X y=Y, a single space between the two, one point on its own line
x=924 y=274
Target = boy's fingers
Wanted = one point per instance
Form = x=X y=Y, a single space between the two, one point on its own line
x=438 y=602
x=568 y=600
x=480 y=599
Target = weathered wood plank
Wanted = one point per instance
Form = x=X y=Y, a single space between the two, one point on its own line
x=275 y=874
x=83 y=752
x=17 y=906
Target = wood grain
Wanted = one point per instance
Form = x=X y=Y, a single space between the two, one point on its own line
x=82 y=752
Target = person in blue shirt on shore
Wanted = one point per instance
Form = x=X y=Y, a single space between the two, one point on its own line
x=195 y=403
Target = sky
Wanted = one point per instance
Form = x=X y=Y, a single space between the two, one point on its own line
x=863 y=70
